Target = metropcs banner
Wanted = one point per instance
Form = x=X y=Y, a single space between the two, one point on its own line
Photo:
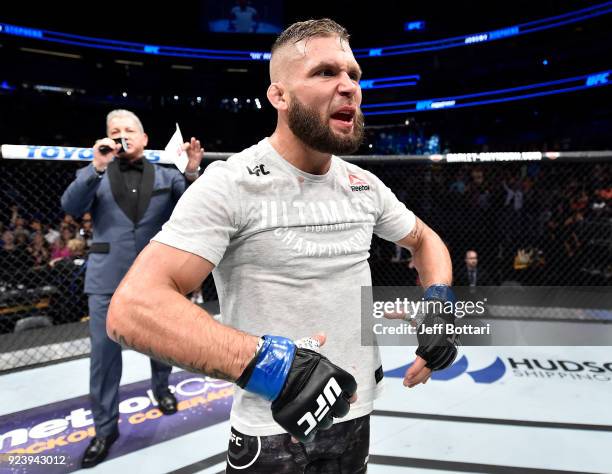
x=54 y=436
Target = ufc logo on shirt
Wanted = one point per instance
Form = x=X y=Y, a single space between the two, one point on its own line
x=325 y=400
x=257 y=170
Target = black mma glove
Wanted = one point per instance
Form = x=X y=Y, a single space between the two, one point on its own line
x=439 y=348
x=306 y=390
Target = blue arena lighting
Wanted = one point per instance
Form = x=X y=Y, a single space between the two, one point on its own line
x=504 y=33
x=126 y=46
x=392 y=81
x=474 y=38
x=481 y=94
x=151 y=49
x=4 y=85
x=368 y=85
x=237 y=55
x=598 y=79
x=414 y=25
x=569 y=84
x=21 y=31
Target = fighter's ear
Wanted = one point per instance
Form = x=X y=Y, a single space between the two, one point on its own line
x=276 y=96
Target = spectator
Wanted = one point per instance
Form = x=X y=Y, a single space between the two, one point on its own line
x=21 y=239
x=514 y=195
x=14 y=261
x=76 y=248
x=60 y=247
x=40 y=255
x=35 y=226
x=14 y=215
x=69 y=303
x=8 y=240
x=68 y=220
x=86 y=230
x=458 y=186
x=471 y=274
x=39 y=249
x=19 y=228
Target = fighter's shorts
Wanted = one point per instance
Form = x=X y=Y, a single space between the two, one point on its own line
x=343 y=449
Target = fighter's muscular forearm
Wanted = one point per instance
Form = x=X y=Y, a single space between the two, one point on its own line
x=190 y=339
x=152 y=316
x=430 y=255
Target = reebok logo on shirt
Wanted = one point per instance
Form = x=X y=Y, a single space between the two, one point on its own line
x=357 y=184
x=259 y=169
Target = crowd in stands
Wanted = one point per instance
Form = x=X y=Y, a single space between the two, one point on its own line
x=42 y=268
x=28 y=248
x=531 y=223
x=535 y=223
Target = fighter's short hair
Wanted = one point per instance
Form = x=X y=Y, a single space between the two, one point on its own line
x=309 y=29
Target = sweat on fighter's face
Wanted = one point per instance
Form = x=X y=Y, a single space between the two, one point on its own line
x=321 y=73
x=127 y=128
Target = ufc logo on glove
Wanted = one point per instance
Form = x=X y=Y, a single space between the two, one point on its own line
x=298 y=381
x=330 y=394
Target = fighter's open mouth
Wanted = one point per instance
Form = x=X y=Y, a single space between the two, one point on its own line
x=344 y=116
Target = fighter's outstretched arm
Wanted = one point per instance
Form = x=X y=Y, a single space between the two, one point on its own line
x=150 y=314
x=433 y=262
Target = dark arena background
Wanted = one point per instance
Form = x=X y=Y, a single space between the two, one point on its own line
x=492 y=121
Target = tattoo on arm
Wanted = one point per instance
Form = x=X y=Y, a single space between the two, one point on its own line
x=417 y=231
x=191 y=366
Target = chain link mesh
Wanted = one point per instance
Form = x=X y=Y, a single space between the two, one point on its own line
x=534 y=223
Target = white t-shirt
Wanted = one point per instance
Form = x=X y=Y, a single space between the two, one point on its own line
x=290 y=251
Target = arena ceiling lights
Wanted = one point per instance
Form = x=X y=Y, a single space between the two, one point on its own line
x=232 y=55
